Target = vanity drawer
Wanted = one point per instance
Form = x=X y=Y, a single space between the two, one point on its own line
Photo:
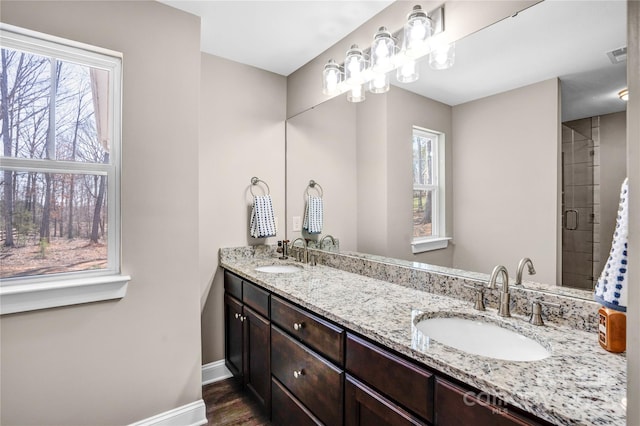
x=256 y=298
x=314 y=381
x=456 y=405
x=403 y=382
x=287 y=410
x=315 y=332
x=233 y=285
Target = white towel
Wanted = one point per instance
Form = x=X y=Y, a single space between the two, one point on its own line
x=263 y=223
x=313 y=215
x=611 y=290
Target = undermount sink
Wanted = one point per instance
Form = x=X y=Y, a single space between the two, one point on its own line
x=482 y=338
x=279 y=269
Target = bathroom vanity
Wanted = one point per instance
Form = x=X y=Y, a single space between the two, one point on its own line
x=321 y=345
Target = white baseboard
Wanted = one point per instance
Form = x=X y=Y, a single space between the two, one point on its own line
x=194 y=414
x=214 y=372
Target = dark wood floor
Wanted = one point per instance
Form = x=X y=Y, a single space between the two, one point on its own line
x=228 y=405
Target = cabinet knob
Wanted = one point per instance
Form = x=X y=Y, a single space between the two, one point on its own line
x=242 y=318
x=298 y=373
x=237 y=315
x=297 y=326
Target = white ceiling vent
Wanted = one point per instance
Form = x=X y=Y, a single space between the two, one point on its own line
x=618 y=55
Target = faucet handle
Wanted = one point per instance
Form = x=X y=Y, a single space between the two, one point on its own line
x=536 y=311
x=479 y=301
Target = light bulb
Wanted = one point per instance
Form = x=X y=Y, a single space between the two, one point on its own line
x=356 y=94
x=354 y=65
x=331 y=78
x=442 y=56
x=382 y=51
x=417 y=32
x=408 y=72
x=379 y=84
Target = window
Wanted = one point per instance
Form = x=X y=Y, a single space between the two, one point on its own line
x=429 y=232
x=59 y=172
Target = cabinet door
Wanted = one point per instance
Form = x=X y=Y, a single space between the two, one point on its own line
x=311 y=379
x=287 y=410
x=457 y=406
x=365 y=407
x=257 y=357
x=233 y=335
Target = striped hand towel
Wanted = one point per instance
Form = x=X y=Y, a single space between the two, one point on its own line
x=263 y=223
x=313 y=215
x=611 y=290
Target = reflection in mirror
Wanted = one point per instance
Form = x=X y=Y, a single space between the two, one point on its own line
x=507 y=153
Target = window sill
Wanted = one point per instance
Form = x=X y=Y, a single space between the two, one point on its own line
x=30 y=297
x=429 y=244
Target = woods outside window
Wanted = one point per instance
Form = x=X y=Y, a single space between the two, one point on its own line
x=60 y=164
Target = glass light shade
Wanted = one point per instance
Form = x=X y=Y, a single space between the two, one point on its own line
x=382 y=51
x=354 y=65
x=442 y=57
x=408 y=72
x=379 y=84
x=417 y=31
x=331 y=77
x=356 y=94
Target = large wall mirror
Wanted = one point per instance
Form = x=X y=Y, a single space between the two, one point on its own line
x=535 y=145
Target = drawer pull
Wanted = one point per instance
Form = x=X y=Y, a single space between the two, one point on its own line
x=297 y=326
x=298 y=373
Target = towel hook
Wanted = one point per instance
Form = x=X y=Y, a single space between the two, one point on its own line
x=254 y=182
x=314 y=185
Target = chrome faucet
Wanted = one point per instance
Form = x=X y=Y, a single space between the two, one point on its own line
x=333 y=240
x=305 y=253
x=503 y=310
x=524 y=261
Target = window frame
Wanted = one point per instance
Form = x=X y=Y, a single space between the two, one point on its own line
x=45 y=291
x=438 y=239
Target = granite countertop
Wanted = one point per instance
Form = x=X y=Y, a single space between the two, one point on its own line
x=580 y=383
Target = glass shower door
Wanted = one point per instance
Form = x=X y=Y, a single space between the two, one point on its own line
x=579 y=179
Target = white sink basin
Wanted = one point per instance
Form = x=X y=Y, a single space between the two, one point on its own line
x=482 y=338
x=279 y=269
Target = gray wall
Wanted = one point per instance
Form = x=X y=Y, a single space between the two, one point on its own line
x=121 y=361
x=321 y=145
x=405 y=110
x=241 y=135
x=613 y=147
x=505 y=180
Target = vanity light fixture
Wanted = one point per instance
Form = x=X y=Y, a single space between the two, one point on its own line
x=370 y=68
x=624 y=94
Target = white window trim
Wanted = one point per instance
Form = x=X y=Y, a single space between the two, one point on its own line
x=441 y=240
x=34 y=293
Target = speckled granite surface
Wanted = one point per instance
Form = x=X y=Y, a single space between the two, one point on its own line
x=580 y=383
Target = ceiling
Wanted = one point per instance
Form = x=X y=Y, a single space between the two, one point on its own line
x=277 y=36
x=556 y=38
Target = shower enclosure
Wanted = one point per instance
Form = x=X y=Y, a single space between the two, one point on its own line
x=580 y=204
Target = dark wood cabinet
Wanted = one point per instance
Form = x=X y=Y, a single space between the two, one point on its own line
x=233 y=336
x=364 y=406
x=288 y=410
x=306 y=370
x=311 y=379
x=404 y=382
x=247 y=337
x=310 y=329
x=257 y=357
x=457 y=405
